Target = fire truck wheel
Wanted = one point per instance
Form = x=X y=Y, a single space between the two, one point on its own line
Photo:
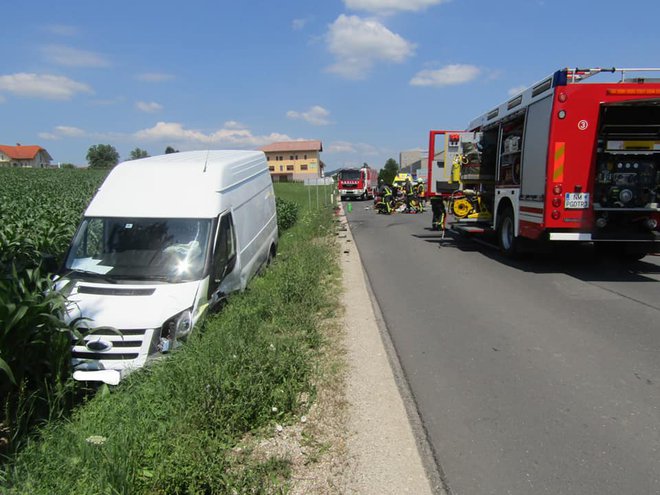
x=506 y=234
x=633 y=256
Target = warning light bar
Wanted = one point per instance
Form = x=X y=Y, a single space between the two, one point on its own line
x=621 y=91
x=454 y=138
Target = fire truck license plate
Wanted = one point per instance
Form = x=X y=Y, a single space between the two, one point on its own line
x=576 y=201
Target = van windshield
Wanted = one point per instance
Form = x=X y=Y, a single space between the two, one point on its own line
x=168 y=249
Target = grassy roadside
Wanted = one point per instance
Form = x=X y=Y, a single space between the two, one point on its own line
x=179 y=426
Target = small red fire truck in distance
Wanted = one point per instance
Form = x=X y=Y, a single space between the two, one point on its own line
x=564 y=160
x=354 y=183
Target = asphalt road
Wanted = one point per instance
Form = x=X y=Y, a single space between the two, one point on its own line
x=530 y=377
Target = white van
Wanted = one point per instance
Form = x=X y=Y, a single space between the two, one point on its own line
x=160 y=244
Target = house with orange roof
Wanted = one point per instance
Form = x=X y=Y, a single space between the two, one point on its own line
x=290 y=161
x=24 y=156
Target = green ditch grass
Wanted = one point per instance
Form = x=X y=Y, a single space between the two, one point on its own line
x=175 y=426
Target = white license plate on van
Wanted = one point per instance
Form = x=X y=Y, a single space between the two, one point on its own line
x=576 y=201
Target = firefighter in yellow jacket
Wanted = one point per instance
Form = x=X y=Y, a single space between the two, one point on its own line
x=419 y=192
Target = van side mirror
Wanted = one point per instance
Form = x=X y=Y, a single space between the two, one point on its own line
x=49 y=264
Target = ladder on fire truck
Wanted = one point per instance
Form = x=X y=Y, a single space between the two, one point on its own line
x=577 y=75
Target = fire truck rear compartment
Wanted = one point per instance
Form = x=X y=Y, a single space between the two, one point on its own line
x=627 y=179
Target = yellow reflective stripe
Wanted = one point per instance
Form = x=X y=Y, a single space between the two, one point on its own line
x=560 y=158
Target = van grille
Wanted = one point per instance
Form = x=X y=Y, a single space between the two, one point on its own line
x=118 y=333
x=114 y=291
x=127 y=347
x=104 y=355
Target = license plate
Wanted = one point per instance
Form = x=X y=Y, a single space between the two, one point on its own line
x=576 y=201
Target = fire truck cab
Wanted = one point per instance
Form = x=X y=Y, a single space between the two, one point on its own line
x=357 y=183
x=564 y=160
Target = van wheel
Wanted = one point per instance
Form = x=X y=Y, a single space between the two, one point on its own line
x=268 y=262
x=506 y=231
x=272 y=252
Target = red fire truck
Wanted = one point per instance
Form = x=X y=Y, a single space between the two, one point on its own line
x=564 y=160
x=354 y=183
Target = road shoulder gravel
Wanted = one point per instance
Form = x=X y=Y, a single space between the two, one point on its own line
x=383 y=447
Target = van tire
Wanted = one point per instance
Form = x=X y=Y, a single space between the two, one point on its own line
x=272 y=252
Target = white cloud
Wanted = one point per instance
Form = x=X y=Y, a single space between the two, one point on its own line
x=446 y=76
x=148 y=106
x=69 y=131
x=340 y=147
x=154 y=77
x=516 y=90
x=62 y=131
x=298 y=24
x=358 y=44
x=388 y=6
x=227 y=136
x=316 y=115
x=73 y=57
x=44 y=86
x=232 y=124
x=348 y=147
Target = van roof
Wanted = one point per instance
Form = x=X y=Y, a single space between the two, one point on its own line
x=176 y=185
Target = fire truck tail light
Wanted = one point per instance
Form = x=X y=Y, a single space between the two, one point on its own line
x=561 y=114
x=562 y=97
x=555 y=214
x=557 y=189
x=556 y=202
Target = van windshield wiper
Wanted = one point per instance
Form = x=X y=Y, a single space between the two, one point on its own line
x=157 y=278
x=105 y=278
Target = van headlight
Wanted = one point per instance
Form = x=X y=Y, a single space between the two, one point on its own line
x=178 y=326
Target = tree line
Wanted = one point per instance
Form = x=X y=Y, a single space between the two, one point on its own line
x=389 y=171
x=107 y=156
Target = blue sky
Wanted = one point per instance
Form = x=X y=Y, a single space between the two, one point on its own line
x=369 y=78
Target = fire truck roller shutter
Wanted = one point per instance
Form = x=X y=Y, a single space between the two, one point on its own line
x=535 y=147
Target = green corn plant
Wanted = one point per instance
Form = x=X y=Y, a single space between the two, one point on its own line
x=34 y=347
x=287 y=213
x=39 y=211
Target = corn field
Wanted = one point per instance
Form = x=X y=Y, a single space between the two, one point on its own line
x=39 y=211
